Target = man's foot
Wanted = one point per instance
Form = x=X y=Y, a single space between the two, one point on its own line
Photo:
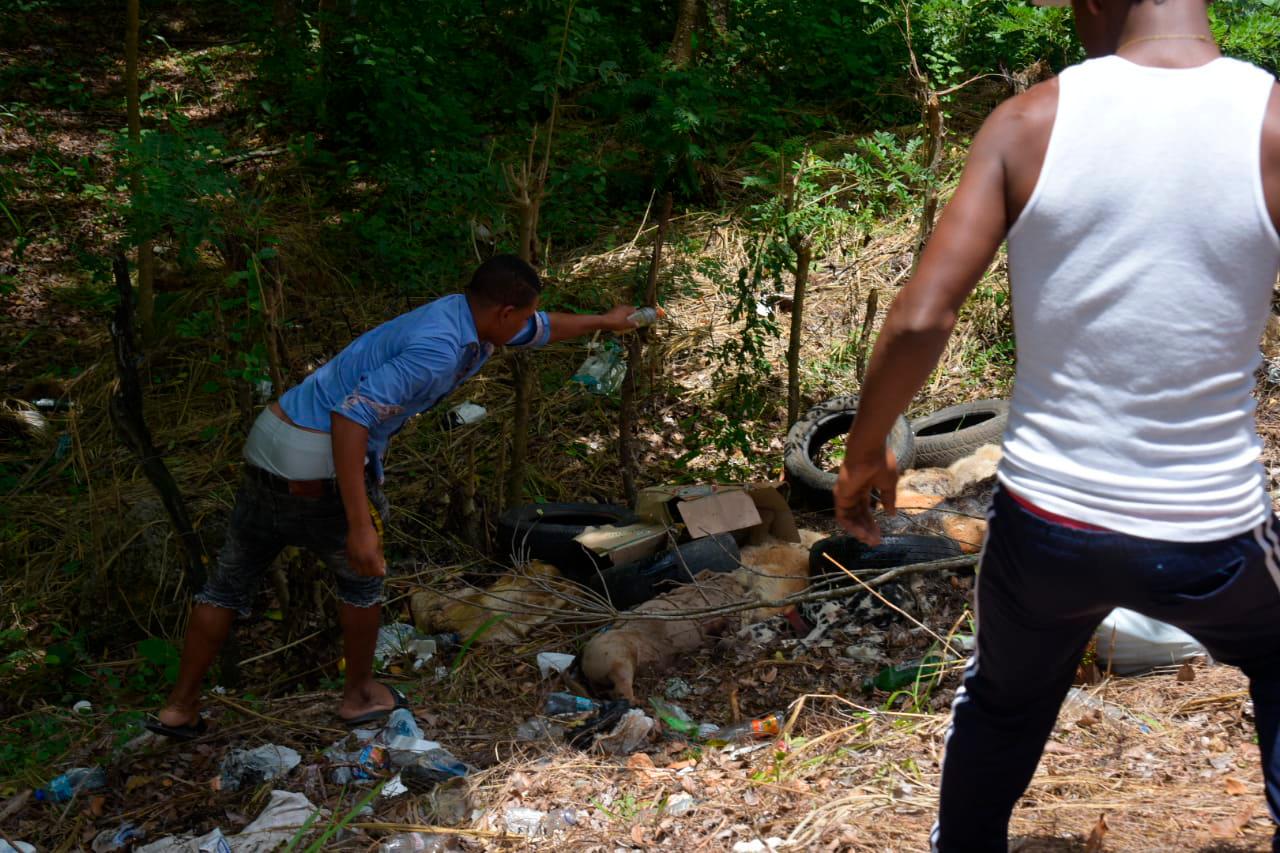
x=370 y=704
x=178 y=723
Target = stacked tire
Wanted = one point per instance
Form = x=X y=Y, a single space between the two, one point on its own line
x=811 y=483
x=953 y=433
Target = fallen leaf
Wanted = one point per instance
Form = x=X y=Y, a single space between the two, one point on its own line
x=97 y=805
x=680 y=765
x=640 y=761
x=1229 y=827
x=135 y=782
x=1055 y=748
x=1186 y=672
x=1234 y=786
x=1089 y=719
x=769 y=675
x=750 y=797
x=689 y=785
x=637 y=834
x=1093 y=844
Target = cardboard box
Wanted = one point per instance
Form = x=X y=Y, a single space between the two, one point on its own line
x=758 y=509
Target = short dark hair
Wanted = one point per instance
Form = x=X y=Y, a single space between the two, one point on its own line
x=505 y=280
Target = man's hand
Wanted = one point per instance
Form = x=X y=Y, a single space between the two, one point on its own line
x=615 y=319
x=858 y=476
x=364 y=551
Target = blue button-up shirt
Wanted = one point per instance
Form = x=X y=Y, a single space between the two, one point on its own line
x=400 y=369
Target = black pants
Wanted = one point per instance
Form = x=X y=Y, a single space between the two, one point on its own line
x=1042 y=590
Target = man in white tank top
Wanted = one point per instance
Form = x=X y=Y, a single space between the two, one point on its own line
x=1140 y=196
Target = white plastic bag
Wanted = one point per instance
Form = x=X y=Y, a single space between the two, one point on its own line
x=1129 y=643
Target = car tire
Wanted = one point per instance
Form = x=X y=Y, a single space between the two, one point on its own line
x=546 y=532
x=948 y=435
x=813 y=486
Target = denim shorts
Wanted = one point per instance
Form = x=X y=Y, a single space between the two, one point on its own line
x=265 y=521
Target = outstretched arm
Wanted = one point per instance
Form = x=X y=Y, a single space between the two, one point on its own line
x=916 y=330
x=565 y=326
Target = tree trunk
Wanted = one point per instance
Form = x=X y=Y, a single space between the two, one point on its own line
x=125 y=409
x=146 y=261
x=635 y=357
x=804 y=254
x=681 y=51
x=933 y=162
x=864 y=336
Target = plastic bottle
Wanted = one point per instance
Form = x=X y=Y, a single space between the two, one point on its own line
x=602 y=371
x=647 y=316
x=414 y=841
x=923 y=670
x=77 y=780
x=567 y=703
x=770 y=725
x=676 y=718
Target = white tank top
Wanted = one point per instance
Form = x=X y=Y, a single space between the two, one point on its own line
x=1142 y=270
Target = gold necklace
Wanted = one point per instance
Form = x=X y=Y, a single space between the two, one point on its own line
x=1203 y=38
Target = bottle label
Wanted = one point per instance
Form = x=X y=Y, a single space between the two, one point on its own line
x=769 y=726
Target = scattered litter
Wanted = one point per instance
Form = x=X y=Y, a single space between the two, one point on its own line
x=77 y=780
x=553 y=662
x=366 y=754
x=923 y=671
x=401 y=723
x=632 y=730
x=539 y=728
x=558 y=819
x=465 y=413
x=411 y=842
x=284 y=815
x=677 y=688
x=211 y=842
x=567 y=703
x=84 y=706
x=109 y=841
x=400 y=638
x=757 y=846
x=602 y=371
x=524 y=821
x=676 y=718
x=247 y=768
x=394 y=788
x=680 y=805
x=1130 y=643
x=1080 y=702
x=761 y=728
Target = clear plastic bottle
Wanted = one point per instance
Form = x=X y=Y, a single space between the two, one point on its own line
x=406 y=842
x=77 y=780
x=647 y=316
x=761 y=728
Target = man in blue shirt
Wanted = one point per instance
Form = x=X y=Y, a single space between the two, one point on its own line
x=314 y=466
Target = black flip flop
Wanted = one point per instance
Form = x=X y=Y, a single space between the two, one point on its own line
x=183 y=732
x=402 y=701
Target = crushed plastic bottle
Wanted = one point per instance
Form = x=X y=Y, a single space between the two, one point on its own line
x=408 y=842
x=539 y=728
x=761 y=728
x=524 y=821
x=676 y=718
x=77 y=780
x=602 y=371
x=924 y=670
x=567 y=703
x=402 y=724
x=646 y=316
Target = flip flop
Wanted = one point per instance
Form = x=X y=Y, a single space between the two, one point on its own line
x=402 y=701
x=183 y=732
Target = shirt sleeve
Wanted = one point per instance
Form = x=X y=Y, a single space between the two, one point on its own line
x=408 y=383
x=535 y=334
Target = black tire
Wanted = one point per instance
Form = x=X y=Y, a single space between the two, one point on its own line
x=546 y=531
x=953 y=433
x=893 y=551
x=825 y=421
x=638 y=581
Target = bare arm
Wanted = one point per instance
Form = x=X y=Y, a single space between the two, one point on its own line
x=350 y=444
x=565 y=326
x=916 y=330
x=1271 y=156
